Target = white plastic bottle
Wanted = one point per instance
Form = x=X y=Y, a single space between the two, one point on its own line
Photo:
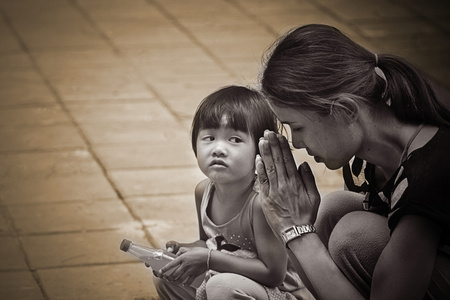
x=155 y=258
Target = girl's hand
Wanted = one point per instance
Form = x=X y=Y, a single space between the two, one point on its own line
x=173 y=246
x=190 y=263
x=288 y=196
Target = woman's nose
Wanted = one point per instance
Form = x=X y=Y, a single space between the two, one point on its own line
x=298 y=142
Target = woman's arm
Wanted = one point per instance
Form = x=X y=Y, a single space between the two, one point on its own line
x=327 y=281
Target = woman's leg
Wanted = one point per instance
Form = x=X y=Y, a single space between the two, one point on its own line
x=332 y=208
x=233 y=286
x=356 y=244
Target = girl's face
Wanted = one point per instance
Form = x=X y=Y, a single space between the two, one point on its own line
x=226 y=155
x=329 y=140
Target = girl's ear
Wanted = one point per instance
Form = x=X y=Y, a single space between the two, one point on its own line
x=345 y=108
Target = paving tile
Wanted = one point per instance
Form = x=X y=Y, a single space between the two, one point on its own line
x=56 y=189
x=64 y=61
x=9 y=41
x=167 y=154
x=183 y=97
x=180 y=8
x=407 y=29
x=157 y=181
x=47 y=164
x=5 y=224
x=431 y=8
x=36 y=115
x=39 y=9
x=45 y=33
x=76 y=249
x=13 y=61
x=54 y=137
x=119 y=9
x=23 y=86
x=19 y=285
x=97 y=84
x=134 y=133
x=171 y=62
x=140 y=32
x=142 y=110
x=70 y=217
x=171 y=217
x=267 y=7
x=114 y=282
x=360 y=10
x=12 y=255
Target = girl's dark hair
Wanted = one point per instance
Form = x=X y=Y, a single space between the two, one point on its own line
x=245 y=109
x=314 y=66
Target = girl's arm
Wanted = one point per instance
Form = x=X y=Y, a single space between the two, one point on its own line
x=174 y=246
x=268 y=269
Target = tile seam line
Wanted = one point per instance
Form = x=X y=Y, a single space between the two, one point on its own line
x=85 y=15
x=191 y=36
x=120 y=55
x=252 y=16
x=336 y=17
x=77 y=127
x=37 y=279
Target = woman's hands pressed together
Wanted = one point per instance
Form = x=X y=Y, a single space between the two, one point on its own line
x=288 y=196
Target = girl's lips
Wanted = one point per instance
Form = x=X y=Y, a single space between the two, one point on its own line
x=218 y=162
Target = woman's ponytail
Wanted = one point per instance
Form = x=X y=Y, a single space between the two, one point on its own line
x=409 y=93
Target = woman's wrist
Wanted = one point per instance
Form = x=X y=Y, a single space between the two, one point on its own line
x=295 y=232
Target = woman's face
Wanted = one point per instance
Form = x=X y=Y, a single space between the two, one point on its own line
x=328 y=139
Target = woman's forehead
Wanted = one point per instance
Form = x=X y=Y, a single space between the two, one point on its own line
x=288 y=115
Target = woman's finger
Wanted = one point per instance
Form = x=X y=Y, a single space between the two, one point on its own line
x=262 y=176
x=288 y=158
x=270 y=171
x=277 y=153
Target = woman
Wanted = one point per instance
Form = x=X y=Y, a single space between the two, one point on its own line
x=342 y=101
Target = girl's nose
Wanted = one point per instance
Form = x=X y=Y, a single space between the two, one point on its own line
x=219 y=149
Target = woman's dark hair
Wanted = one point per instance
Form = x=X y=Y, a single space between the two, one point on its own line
x=314 y=66
x=245 y=109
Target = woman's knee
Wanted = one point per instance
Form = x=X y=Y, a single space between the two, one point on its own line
x=332 y=208
x=356 y=244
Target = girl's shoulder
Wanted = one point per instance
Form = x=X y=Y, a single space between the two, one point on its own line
x=200 y=189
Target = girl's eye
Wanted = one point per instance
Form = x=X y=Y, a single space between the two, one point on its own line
x=208 y=138
x=235 y=139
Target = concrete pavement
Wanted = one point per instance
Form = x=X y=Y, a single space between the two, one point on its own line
x=96 y=100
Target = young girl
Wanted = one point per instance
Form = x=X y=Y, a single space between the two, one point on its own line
x=235 y=239
x=343 y=101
